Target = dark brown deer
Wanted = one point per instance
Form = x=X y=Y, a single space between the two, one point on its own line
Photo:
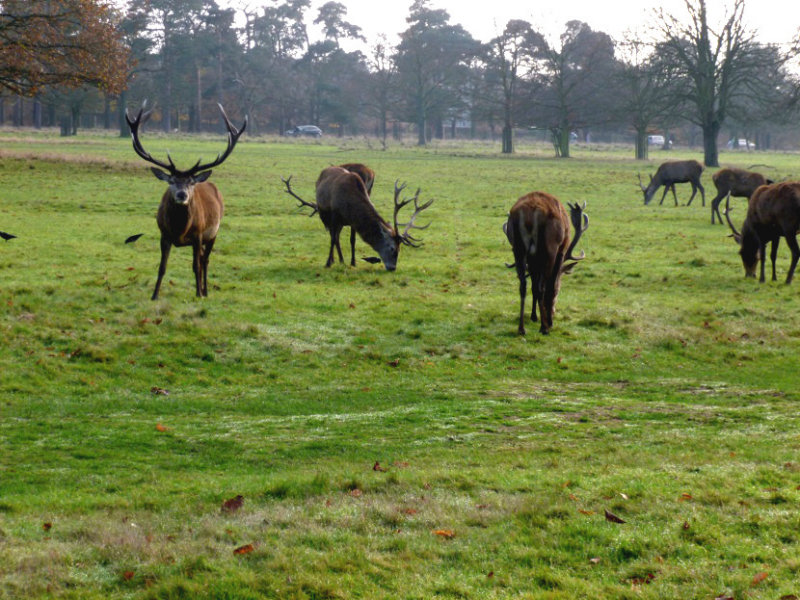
x=670 y=173
x=772 y=212
x=343 y=200
x=538 y=230
x=191 y=208
x=736 y=182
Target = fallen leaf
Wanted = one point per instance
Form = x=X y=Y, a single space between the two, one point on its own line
x=644 y=580
x=596 y=560
x=157 y=391
x=400 y=464
x=573 y=497
x=723 y=597
x=759 y=577
x=586 y=512
x=160 y=427
x=613 y=518
x=410 y=511
x=394 y=363
x=356 y=493
x=490 y=574
x=377 y=467
x=352 y=305
x=684 y=497
x=233 y=504
x=686 y=525
x=623 y=496
x=47 y=526
x=789 y=597
x=246 y=549
x=128 y=575
x=448 y=534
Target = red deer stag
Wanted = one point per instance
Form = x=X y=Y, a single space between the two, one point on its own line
x=343 y=200
x=772 y=212
x=670 y=173
x=538 y=229
x=736 y=182
x=191 y=208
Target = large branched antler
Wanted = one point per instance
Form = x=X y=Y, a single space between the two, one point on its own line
x=133 y=124
x=405 y=237
x=142 y=117
x=580 y=221
x=312 y=205
x=736 y=235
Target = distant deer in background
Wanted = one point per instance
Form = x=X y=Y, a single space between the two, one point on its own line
x=772 y=212
x=670 y=173
x=739 y=183
x=343 y=200
x=191 y=208
x=538 y=230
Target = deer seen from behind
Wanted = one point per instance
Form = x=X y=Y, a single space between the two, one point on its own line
x=670 y=173
x=772 y=212
x=739 y=183
x=538 y=229
x=191 y=208
x=342 y=199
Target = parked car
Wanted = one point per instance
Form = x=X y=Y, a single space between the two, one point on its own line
x=655 y=140
x=741 y=144
x=304 y=130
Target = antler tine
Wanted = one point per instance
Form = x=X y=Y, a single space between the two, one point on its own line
x=288 y=190
x=233 y=137
x=641 y=185
x=133 y=124
x=405 y=237
x=580 y=221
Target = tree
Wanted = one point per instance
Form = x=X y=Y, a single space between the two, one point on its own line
x=648 y=93
x=380 y=93
x=573 y=87
x=431 y=58
x=70 y=42
x=331 y=15
x=720 y=64
x=509 y=57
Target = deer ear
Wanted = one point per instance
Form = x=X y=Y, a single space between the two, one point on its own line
x=200 y=177
x=371 y=259
x=161 y=174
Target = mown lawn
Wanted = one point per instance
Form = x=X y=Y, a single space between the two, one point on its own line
x=390 y=434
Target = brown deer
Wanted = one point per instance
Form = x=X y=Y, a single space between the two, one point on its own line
x=538 y=230
x=191 y=208
x=670 y=173
x=343 y=200
x=736 y=182
x=772 y=212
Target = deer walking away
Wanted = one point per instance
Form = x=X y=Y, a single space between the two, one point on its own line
x=538 y=229
x=772 y=212
x=343 y=199
x=191 y=208
x=670 y=173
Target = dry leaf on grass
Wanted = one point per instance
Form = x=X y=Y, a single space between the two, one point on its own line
x=611 y=517
x=759 y=577
x=246 y=549
x=233 y=504
x=447 y=534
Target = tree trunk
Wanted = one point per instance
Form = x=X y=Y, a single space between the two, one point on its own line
x=37 y=113
x=508 y=139
x=421 y=122
x=710 y=150
x=641 y=145
x=123 y=124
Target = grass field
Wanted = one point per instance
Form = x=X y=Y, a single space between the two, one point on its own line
x=390 y=434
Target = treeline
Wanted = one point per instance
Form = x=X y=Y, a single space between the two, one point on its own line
x=187 y=55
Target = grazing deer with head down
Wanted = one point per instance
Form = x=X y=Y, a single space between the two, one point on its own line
x=191 y=208
x=670 y=173
x=772 y=212
x=343 y=200
x=538 y=230
x=736 y=182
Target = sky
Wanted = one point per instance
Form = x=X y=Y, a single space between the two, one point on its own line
x=775 y=21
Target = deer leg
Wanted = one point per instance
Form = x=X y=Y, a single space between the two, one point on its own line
x=664 y=195
x=338 y=246
x=333 y=233
x=166 y=246
x=197 y=267
x=549 y=295
x=536 y=295
x=773 y=255
x=675 y=196
x=206 y=254
x=715 y=208
x=352 y=247
x=762 y=251
x=702 y=193
x=791 y=240
x=520 y=264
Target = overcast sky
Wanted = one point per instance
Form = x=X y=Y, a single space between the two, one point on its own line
x=774 y=20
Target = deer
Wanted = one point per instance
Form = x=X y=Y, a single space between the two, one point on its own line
x=772 y=212
x=670 y=173
x=191 y=208
x=739 y=183
x=342 y=199
x=538 y=229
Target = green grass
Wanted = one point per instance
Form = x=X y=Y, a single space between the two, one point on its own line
x=665 y=394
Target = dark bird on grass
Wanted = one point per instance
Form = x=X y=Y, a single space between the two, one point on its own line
x=7 y=236
x=133 y=238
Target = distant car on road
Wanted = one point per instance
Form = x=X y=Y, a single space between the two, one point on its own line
x=741 y=144
x=304 y=130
